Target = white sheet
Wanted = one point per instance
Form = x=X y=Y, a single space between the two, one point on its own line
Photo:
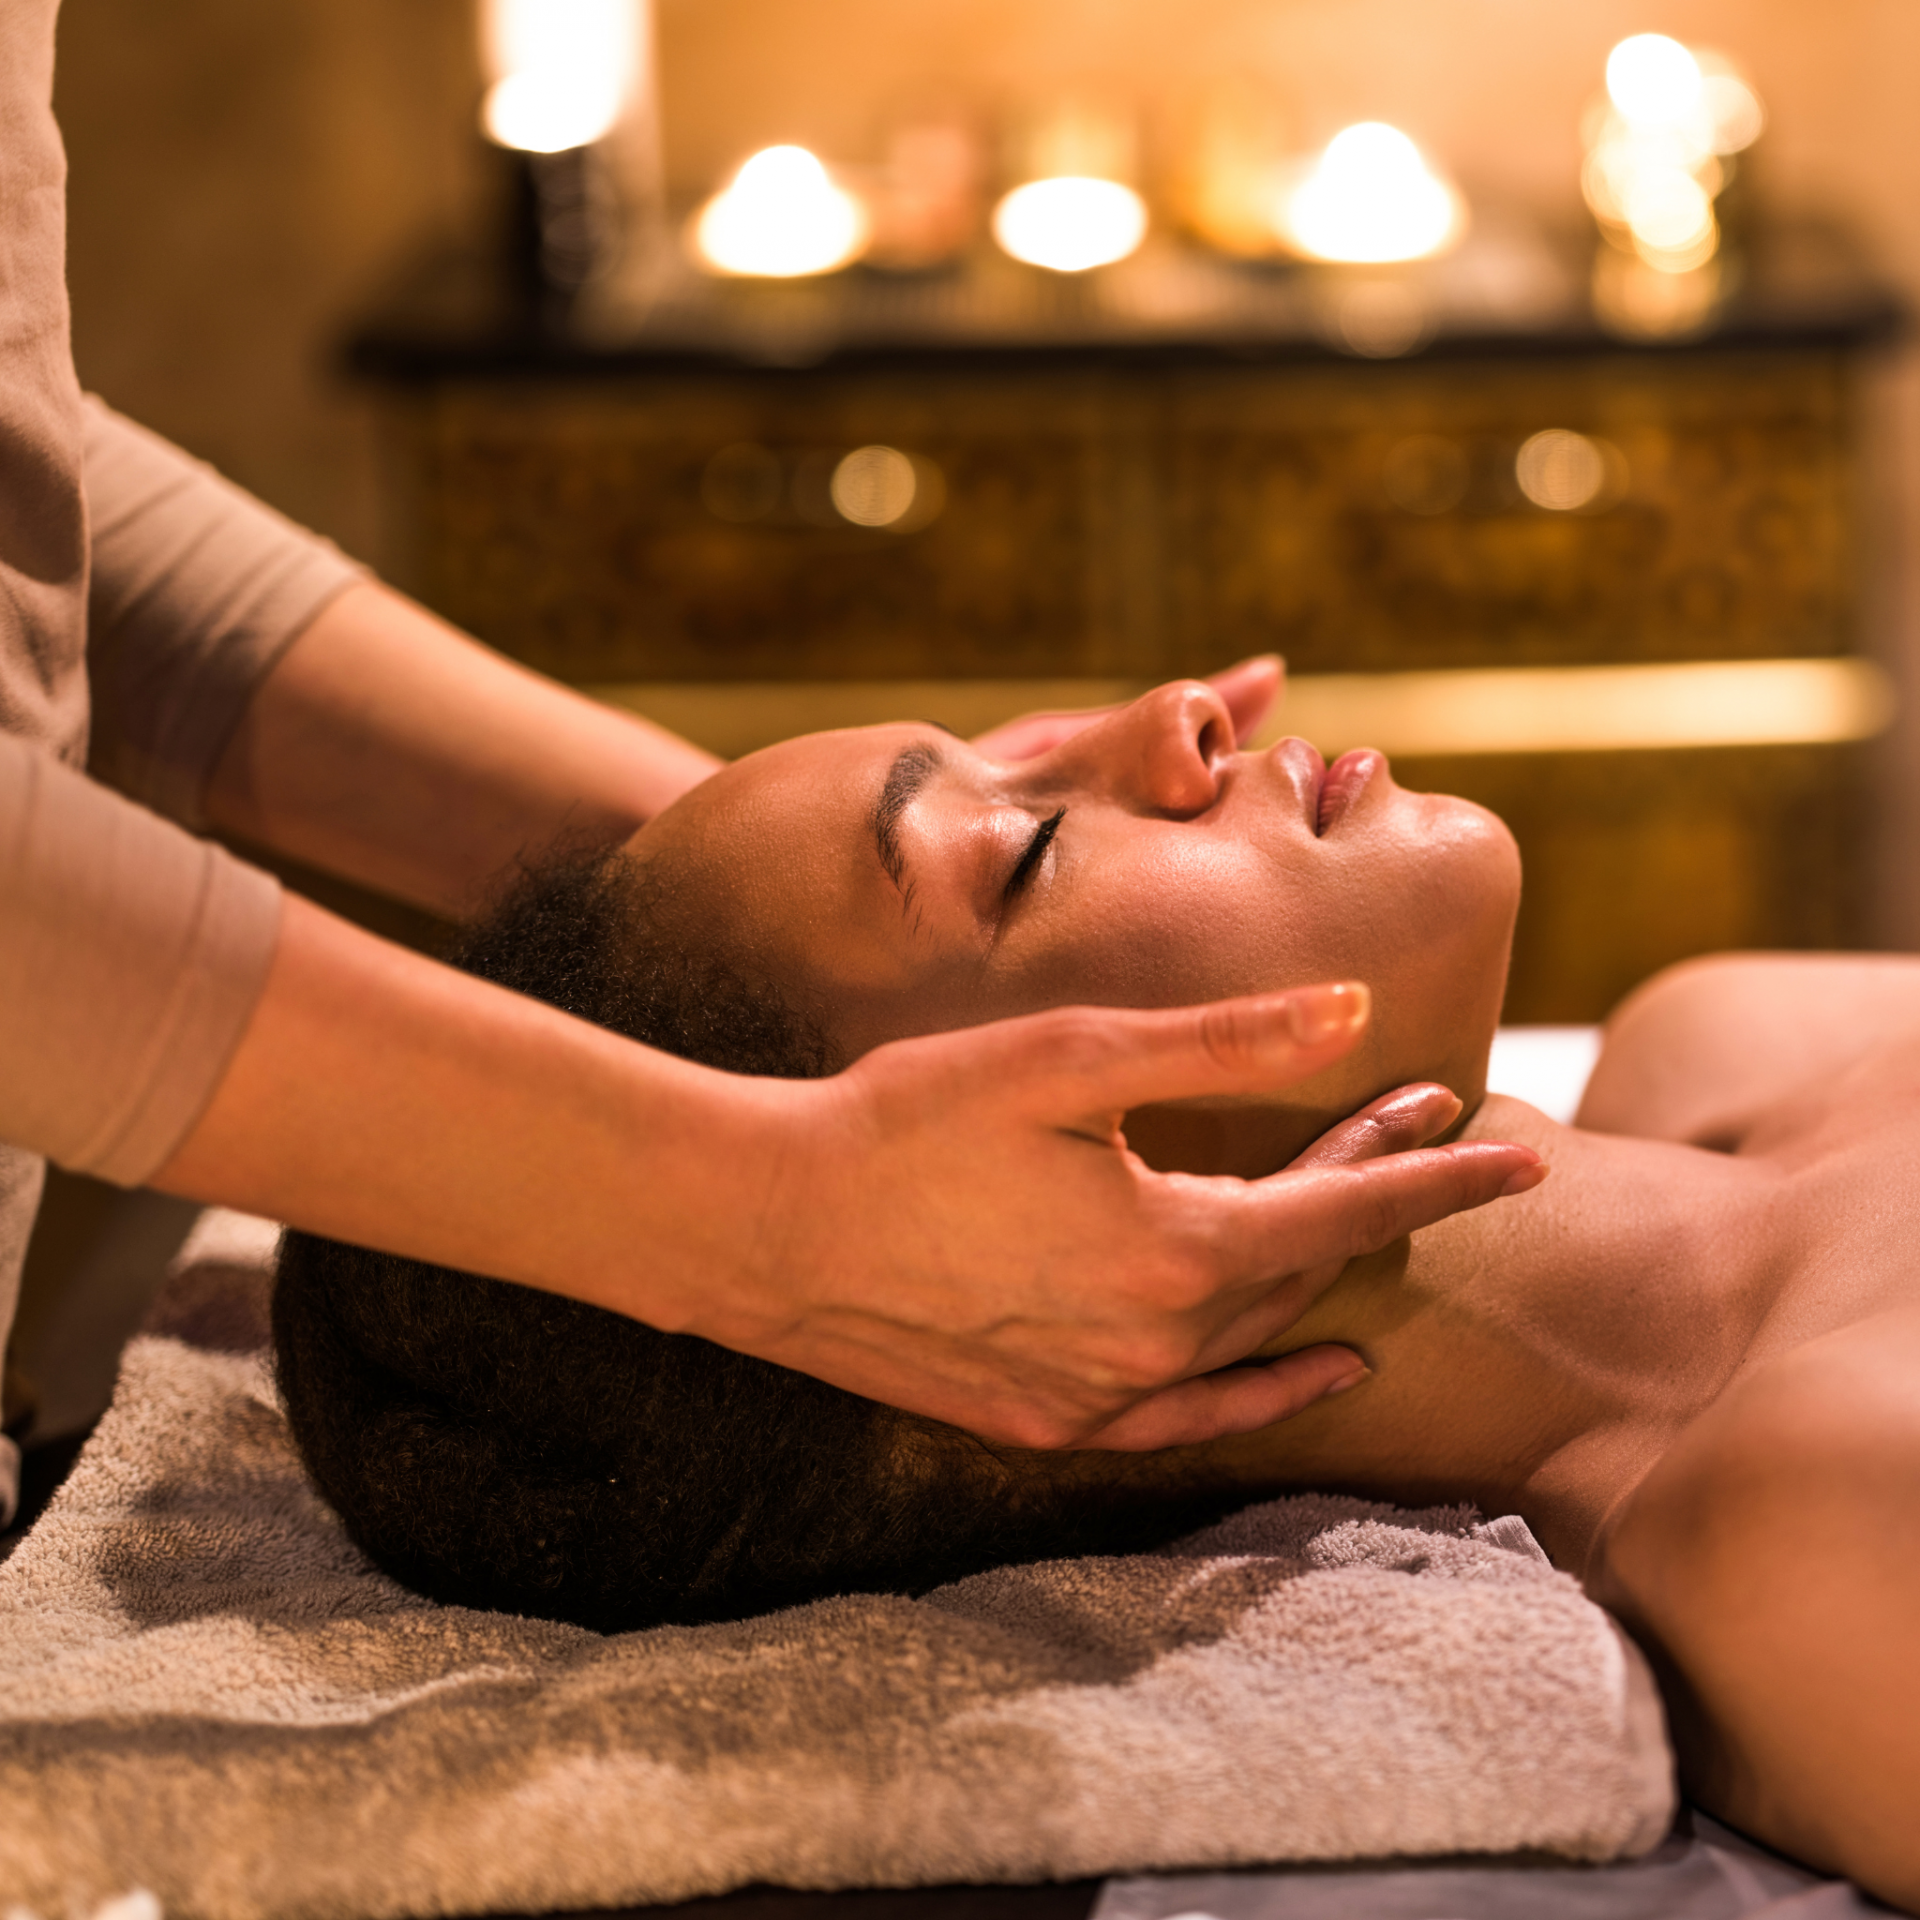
x=1548 y=1067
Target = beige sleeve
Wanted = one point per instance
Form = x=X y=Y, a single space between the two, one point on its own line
x=131 y=957
x=197 y=588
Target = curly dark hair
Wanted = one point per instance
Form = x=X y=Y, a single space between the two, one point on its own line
x=497 y=1446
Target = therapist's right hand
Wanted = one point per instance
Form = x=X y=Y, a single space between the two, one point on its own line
x=955 y=1224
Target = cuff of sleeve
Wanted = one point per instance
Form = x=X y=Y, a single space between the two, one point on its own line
x=131 y=960
x=197 y=589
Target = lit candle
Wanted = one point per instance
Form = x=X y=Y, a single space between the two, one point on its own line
x=780 y=218
x=1660 y=152
x=1075 y=210
x=1070 y=224
x=561 y=70
x=1371 y=197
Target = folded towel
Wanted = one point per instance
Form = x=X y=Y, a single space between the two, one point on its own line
x=206 y=1690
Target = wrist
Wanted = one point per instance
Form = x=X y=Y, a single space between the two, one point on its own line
x=726 y=1169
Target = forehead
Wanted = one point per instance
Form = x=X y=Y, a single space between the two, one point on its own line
x=786 y=837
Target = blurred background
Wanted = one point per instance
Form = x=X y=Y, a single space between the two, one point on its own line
x=1536 y=378
x=295 y=251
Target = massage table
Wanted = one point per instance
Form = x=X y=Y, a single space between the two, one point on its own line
x=206 y=1330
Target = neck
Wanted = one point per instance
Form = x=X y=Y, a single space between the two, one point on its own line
x=1538 y=1355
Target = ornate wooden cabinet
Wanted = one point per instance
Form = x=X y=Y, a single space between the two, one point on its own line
x=657 y=514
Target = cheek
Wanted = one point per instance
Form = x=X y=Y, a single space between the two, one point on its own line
x=1462 y=878
x=1418 y=908
x=1437 y=955
x=1186 y=920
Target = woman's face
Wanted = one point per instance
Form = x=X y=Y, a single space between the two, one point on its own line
x=898 y=883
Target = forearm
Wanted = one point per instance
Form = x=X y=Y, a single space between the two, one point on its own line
x=390 y=749
x=834 y=1226
x=381 y=1098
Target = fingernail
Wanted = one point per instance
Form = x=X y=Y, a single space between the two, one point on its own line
x=1524 y=1180
x=1347 y=1380
x=1319 y=1014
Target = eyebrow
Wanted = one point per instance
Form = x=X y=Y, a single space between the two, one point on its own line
x=912 y=768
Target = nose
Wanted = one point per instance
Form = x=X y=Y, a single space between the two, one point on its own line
x=1165 y=750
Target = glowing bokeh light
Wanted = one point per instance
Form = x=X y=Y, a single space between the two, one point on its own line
x=1670 y=216
x=547 y=113
x=1654 y=165
x=1070 y=224
x=562 y=70
x=1372 y=198
x=874 y=486
x=1426 y=474
x=781 y=218
x=1642 y=302
x=1650 y=77
x=1733 y=110
x=1382 y=319
x=1561 y=471
x=1625 y=158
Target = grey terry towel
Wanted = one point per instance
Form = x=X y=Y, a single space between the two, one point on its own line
x=206 y=1691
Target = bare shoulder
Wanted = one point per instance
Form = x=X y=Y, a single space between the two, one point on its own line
x=1771 y=1566
x=1702 y=1048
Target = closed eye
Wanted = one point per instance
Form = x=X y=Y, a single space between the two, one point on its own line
x=1036 y=848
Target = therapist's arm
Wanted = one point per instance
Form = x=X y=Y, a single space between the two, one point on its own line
x=387 y=747
x=835 y=1226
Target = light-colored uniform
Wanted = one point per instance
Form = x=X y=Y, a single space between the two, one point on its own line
x=142 y=598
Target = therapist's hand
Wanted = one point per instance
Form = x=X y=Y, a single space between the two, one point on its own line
x=958 y=1227
x=1248 y=691
x=954 y=1224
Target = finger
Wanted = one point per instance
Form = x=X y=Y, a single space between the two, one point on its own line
x=1235 y=1400
x=1407 y=1117
x=1082 y=1067
x=1249 y=689
x=1291 y=1221
x=1272 y=1307
x=1031 y=735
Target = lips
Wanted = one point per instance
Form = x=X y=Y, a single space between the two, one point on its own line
x=1325 y=794
x=1342 y=786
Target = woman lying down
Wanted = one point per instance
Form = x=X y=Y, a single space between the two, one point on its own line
x=1691 y=1359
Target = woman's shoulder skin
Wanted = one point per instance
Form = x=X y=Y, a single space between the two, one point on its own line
x=1768 y=1559
x=1770 y=1564
x=1704 y=1050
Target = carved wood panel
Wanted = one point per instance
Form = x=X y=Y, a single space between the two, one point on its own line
x=1144 y=523
x=1725 y=535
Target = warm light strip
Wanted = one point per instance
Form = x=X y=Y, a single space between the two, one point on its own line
x=1734 y=703
x=1730 y=703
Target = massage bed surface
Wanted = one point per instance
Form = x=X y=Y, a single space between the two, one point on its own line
x=207 y=1691
x=1701 y=1871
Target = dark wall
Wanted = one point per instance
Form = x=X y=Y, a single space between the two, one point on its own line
x=242 y=173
